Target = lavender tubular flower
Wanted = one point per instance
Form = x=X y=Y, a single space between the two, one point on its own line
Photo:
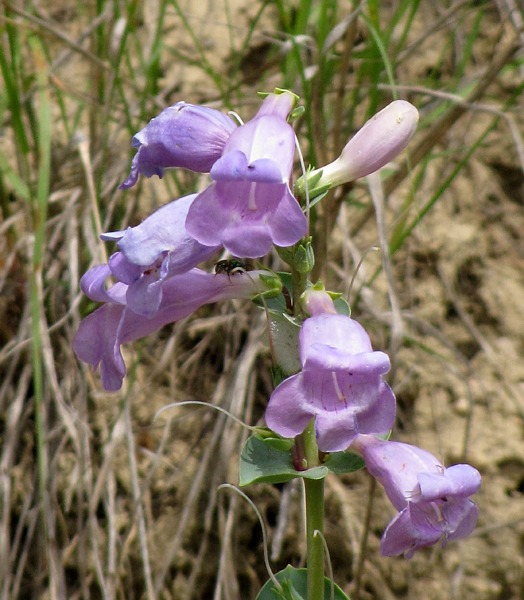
x=154 y=251
x=340 y=385
x=183 y=135
x=433 y=502
x=102 y=333
x=249 y=206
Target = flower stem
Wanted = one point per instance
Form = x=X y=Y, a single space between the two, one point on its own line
x=314 y=520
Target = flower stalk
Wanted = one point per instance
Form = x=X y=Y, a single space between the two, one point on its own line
x=314 y=491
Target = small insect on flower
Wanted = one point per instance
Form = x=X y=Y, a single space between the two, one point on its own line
x=232 y=267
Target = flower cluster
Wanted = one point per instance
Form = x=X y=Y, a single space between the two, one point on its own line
x=250 y=207
x=340 y=386
x=247 y=209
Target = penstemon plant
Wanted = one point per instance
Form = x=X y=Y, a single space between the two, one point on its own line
x=331 y=410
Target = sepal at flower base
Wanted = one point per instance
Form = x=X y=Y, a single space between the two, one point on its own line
x=300 y=256
x=273 y=285
x=310 y=188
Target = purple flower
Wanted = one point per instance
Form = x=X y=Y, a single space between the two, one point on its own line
x=249 y=206
x=433 y=502
x=183 y=135
x=340 y=385
x=154 y=251
x=101 y=333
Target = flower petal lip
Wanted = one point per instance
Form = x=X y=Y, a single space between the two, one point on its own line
x=154 y=251
x=402 y=536
x=123 y=270
x=339 y=343
x=365 y=407
x=264 y=137
x=183 y=135
x=287 y=223
x=297 y=400
x=94 y=344
x=288 y=413
x=234 y=166
x=378 y=417
x=462 y=480
x=419 y=526
x=93 y=284
x=247 y=218
x=334 y=432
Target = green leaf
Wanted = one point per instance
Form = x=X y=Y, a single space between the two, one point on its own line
x=342 y=307
x=262 y=462
x=283 y=331
x=269 y=437
x=344 y=462
x=294 y=586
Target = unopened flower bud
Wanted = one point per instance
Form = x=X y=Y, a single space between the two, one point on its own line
x=382 y=138
x=318 y=301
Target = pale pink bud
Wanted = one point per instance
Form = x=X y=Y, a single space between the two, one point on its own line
x=317 y=301
x=381 y=138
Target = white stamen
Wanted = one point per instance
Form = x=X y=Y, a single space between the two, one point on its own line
x=252 y=205
x=340 y=395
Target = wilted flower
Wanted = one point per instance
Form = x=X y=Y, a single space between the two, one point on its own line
x=381 y=138
x=183 y=135
x=101 y=333
x=340 y=385
x=433 y=501
x=249 y=206
x=154 y=251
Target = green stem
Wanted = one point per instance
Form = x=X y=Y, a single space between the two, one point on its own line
x=299 y=285
x=314 y=520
